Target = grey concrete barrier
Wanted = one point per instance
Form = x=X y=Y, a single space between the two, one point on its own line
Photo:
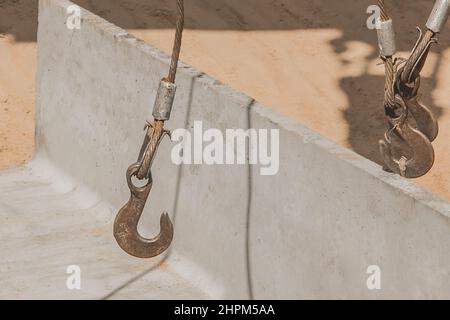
x=310 y=231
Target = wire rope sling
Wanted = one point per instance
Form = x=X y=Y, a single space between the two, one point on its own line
x=412 y=123
x=127 y=219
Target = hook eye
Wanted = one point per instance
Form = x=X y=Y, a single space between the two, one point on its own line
x=138 y=191
x=415 y=155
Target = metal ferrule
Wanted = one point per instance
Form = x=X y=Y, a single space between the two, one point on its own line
x=386 y=38
x=438 y=16
x=164 y=100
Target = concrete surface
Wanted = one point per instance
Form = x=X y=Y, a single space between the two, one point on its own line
x=49 y=223
x=309 y=232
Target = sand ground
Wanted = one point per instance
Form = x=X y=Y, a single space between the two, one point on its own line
x=314 y=61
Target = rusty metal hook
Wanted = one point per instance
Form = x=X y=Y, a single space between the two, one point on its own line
x=423 y=153
x=126 y=223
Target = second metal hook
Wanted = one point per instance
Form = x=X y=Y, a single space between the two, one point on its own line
x=423 y=153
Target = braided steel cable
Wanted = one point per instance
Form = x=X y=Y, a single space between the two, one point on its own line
x=177 y=43
x=383 y=11
x=155 y=135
